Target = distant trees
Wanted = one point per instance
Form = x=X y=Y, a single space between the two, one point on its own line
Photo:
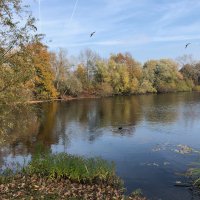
x=88 y=59
x=66 y=82
x=29 y=71
x=121 y=74
x=191 y=72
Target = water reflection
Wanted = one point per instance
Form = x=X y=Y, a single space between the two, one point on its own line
x=91 y=127
x=52 y=122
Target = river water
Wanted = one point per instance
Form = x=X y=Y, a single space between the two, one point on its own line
x=146 y=136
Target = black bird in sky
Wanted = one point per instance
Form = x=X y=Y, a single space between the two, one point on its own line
x=92 y=34
x=187 y=45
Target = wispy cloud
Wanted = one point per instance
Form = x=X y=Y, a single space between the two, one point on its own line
x=121 y=25
x=176 y=38
x=73 y=12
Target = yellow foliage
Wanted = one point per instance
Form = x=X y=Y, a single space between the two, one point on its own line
x=44 y=77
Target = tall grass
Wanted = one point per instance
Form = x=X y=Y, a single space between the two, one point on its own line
x=195 y=174
x=74 y=168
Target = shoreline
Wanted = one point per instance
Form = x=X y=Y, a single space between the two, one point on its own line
x=35 y=187
x=66 y=98
x=90 y=96
x=50 y=176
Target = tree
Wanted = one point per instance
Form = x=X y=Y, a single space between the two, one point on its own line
x=14 y=33
x=134 y=67
x=44 y=77
x=60 y=65
x=164 y=76
x=88 y=60
x=119 y=77
x=81 y=74
x=185 y=60
x=15 y=62
x=132 y=72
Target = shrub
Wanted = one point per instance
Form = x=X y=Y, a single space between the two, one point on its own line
x=196 y=88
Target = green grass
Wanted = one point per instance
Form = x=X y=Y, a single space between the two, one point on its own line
x=74 y=168
x=195 y=174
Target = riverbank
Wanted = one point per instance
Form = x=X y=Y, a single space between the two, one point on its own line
x=62 y=176
x=66 y=98
x=93 y=96
x=35 y=187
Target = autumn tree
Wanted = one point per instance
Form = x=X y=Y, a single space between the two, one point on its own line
x=15 y=34
x=43 y=79
x=60 y=65
x=66 y=81
x=164 y=76
x=81 y=74
x=132 y=69
x=88 y=59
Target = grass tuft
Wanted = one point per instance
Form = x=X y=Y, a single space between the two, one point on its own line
x=74 y=168
x=195 y=174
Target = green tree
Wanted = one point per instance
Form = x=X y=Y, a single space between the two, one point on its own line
x=15 y=63
x=164 y=76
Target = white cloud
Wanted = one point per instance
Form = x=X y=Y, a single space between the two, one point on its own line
x=125 y=24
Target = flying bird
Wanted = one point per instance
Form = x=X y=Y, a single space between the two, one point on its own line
x=187 y=45
x=92 y=34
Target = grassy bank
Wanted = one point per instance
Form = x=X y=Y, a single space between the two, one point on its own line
x=63 y=176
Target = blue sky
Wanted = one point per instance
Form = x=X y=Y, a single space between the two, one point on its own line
x=148 y=29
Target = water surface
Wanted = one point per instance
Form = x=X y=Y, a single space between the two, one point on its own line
x=144 y=150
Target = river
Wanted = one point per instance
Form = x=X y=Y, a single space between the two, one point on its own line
x=144 y=135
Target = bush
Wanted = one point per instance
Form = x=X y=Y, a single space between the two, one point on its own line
x=104 y=89
x=146 y=87
x=196 y=88
x=70 y=86
x=182 y=86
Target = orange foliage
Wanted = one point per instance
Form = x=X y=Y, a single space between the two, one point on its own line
x=44 y=77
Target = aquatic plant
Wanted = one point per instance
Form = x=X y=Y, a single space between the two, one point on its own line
x=137 y=193
x=194 y=173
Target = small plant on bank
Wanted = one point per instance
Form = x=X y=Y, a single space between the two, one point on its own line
x=64 y=176
x=194 y=173
x=137 y=193
x=74 y=168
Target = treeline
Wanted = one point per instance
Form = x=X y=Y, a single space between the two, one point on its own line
x=121 y=74
x=29 y=71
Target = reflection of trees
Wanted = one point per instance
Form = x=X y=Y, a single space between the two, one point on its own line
x=30 y=125
x=16 y=122
x=46 y=132
x=59 y=123
x=120 y=111
x=160 y=108
x=18 y=126
x=90 y=118
x=102 y=112
x=167 y=108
